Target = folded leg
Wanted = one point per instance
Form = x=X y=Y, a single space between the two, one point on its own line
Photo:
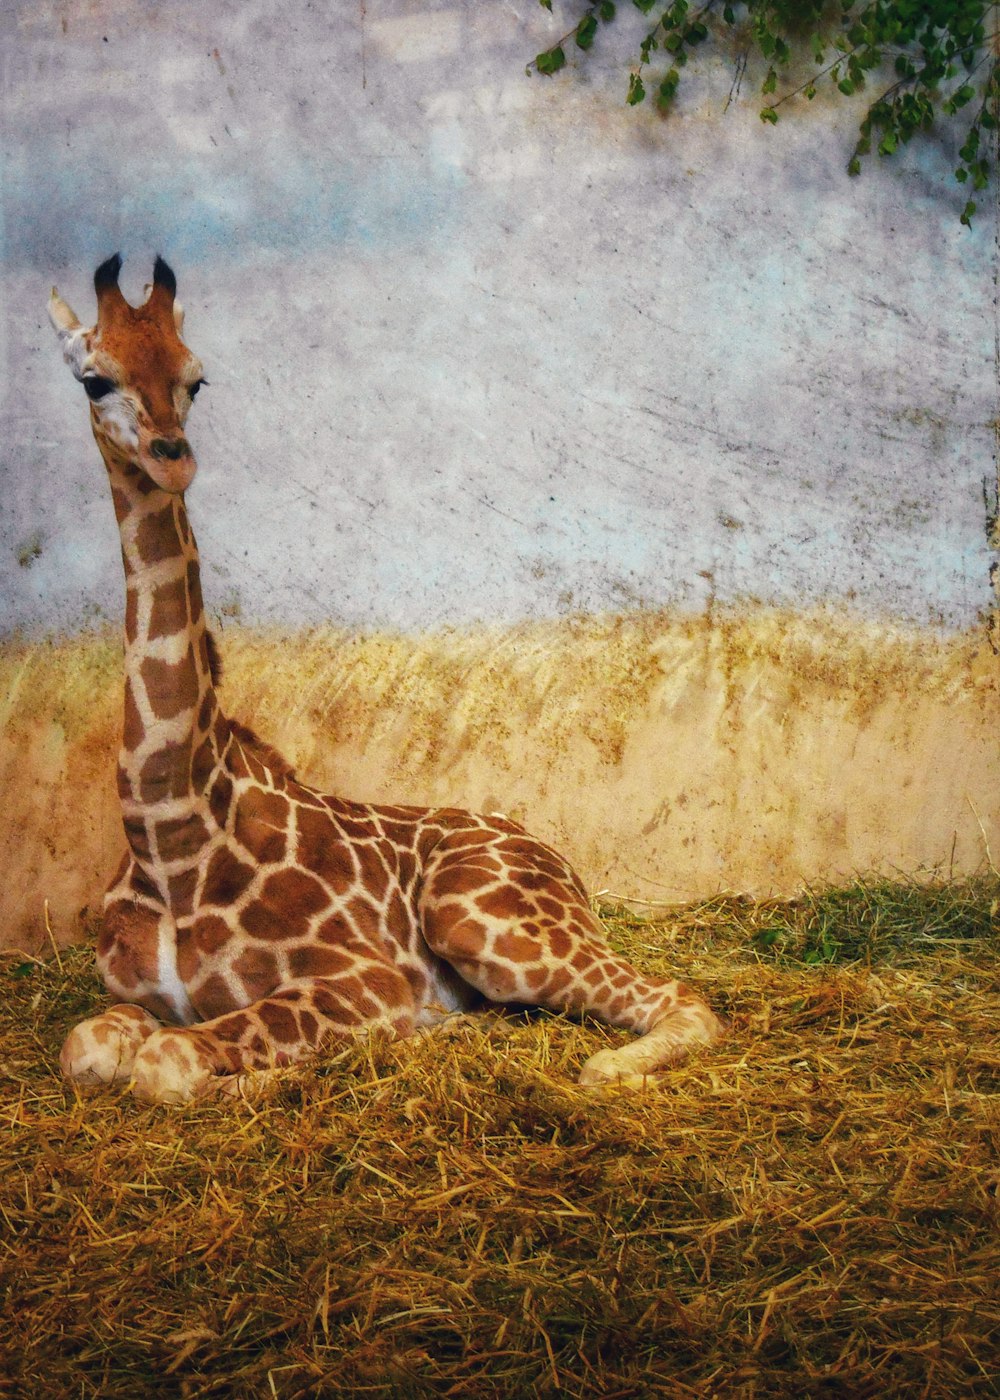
x=511 y=917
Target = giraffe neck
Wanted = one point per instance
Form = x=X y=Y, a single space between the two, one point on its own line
x=174 y=732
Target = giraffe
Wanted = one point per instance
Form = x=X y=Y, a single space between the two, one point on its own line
x=253 y=919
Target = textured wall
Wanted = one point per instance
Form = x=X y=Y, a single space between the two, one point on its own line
x=501 y=354
x=487 y=346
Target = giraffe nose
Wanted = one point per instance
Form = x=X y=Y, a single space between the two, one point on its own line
x=171 y=448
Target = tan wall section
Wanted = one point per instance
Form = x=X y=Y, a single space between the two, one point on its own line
x=669 y=756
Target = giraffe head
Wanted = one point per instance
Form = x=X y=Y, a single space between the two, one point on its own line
x=138 y=374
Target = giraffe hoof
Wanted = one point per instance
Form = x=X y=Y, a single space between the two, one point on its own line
x=605 y=1070
x=102 y=1050
x=171 y=1068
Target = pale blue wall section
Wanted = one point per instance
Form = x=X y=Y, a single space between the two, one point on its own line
x=483 y=346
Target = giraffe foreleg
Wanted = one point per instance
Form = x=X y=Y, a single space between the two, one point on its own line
x=103 y=1049
x=177 y=1065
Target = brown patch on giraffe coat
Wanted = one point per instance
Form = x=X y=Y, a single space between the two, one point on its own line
x=400 y=833
x=458 y=879
x=516 y=947
x=406 y=868
x=285 y=906
x=374 y=873
x=214 y=998
x=181 y=838
x=506 y=902
x=280 y=1021
x=364 y=917
x=356 y=828
x=168 y=612
x=131 y=611
x=157 y=538
x=203 y=763
x=137 y=836
x=171 y=687
x=261 y=823
x=166 y=773
x=219 y=798
x=134 y=730
x=209 y=933
x=320 y=849
x=257 y=969
x=227 y=878
x=181 y=892
x=318 y=960
x=501 y=981
x=128 y=943
x=451 y=932
x=194 y=590
x=399 y=917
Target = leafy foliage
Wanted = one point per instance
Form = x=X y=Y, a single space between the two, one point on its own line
x=943 y=55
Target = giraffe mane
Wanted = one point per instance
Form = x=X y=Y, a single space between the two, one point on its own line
x=214 y=659
x=248 y=737
x=269 y=756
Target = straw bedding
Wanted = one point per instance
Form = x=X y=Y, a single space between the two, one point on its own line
x=809 y=1209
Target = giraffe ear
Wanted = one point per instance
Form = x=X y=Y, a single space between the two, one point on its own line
x=72 y=336
x=61 y=314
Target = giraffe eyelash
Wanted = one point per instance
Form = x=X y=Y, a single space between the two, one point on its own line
x=97 y=387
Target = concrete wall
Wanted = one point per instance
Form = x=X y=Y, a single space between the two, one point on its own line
x=488 y=351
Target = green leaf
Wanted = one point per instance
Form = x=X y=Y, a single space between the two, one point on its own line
x=846 y=86
x=551 y=61
x=854 y=166
x=967 y=213
x=644 y=5
x=606 y=10
x=729 y=14
x=667 y=90
x=769 y=115
x=546 y=5
x=636 y=90
x=585 y=31
x=770 y=82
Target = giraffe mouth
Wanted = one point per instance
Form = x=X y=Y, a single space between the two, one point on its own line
x=170 y=462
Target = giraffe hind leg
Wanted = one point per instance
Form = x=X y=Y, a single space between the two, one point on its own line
x=529 y=936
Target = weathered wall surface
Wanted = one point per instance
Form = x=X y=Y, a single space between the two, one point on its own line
x=669 y=757
x=501 y=354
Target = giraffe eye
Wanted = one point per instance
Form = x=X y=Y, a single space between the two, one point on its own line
x=97 y=386
x=198 y=384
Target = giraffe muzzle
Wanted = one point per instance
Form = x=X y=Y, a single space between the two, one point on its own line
x=169 y=462
x=172 y=449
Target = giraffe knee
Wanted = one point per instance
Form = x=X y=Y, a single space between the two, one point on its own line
x=102 y=1050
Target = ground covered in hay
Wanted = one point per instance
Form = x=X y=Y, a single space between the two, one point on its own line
x=810 y=1209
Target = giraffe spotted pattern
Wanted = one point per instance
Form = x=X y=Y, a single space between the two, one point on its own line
x=253 y=919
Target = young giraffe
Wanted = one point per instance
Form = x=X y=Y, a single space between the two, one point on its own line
x=255 y=916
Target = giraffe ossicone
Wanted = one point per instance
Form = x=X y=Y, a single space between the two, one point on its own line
x=252 y=918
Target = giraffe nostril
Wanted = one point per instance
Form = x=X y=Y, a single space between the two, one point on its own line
x=171 y=448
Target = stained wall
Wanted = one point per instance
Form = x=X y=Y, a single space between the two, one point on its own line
x=535 y=403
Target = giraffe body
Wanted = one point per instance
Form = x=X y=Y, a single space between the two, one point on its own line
x=253 y=918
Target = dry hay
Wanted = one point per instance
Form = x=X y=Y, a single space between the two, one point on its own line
x=808 y=1210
